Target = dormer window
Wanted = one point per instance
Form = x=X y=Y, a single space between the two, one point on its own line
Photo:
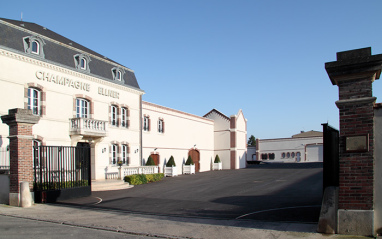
x=81 y=62
x=117 y=73
x=34 y=45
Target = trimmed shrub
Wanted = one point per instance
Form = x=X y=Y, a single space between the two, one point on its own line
x=189 y=161
x=150 y=161
x=217 y=159
x=171 y=162
x=137 y=179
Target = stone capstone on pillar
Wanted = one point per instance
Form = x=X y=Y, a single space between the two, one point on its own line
x=20 y=122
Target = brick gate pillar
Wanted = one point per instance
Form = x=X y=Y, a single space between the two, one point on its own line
x=20 y=122
x=353 y=73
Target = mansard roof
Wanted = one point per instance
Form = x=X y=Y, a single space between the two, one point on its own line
x=307 y=134
x=61 y=50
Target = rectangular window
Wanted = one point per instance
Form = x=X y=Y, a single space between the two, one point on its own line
x=34 y=97
x=125 y=157
x=114 y=115
x=146 y=123
x=82 y=108
x=160 y=126
x=114 y=152
x=124 y=119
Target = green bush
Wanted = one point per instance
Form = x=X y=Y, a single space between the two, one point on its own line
x=137 y=179
x=150 y=161
x=189 y=161
x=171 y=162
x=217 y=159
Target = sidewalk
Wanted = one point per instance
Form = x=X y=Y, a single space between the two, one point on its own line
x=162 y=227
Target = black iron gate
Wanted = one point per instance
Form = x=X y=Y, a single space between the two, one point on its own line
x=331 y=156
x=61 y=172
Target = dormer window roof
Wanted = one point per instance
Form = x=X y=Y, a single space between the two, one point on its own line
x=81 y=62
x=117 y=73
x=34 y=45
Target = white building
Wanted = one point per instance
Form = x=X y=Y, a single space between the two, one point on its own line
x=84 y=98
x=303 y=147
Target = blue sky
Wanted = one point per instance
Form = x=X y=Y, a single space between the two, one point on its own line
x=264 y=57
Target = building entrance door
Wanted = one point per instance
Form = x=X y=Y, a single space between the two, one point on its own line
x=195 y=155
x=155 y=157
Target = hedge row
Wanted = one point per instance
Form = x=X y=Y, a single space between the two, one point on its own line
x=137 y=179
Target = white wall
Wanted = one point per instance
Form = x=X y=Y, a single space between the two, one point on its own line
x=17 y=71
x=310 y=149
x=221 y=137
x=241 y=140
x=181 y=132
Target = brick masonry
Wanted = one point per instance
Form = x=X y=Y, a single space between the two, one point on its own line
x=20 y=122
x=353 y=73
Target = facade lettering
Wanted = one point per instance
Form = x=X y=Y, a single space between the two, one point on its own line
x=60 y=80
x=109 y=93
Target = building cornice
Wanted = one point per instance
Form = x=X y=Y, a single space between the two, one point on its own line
x=63 y=69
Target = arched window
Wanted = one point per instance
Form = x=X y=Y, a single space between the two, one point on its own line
x=117 y=73
x=264 y=156
x=34 y=101
x=83 y=63
x=82 y=108
x=271 y=156
x=35 y=47
x=283 y=155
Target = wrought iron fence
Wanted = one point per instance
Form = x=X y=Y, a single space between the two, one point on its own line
x=61 y=167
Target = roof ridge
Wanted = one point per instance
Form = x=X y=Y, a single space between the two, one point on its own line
x=57 y=37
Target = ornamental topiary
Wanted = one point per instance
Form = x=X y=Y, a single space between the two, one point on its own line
x=171 y=162
x=217 y=159
x=189 y=161
x=150 y=161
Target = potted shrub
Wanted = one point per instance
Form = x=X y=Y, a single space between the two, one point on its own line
x=217 y=163
x=170 y=169
x=189 y=166
x=150 y=161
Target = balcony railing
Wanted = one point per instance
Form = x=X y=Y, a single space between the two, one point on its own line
x=88 y=127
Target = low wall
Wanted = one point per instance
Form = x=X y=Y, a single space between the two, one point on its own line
x=4 y=189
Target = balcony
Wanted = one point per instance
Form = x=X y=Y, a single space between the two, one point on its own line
x=88 y=127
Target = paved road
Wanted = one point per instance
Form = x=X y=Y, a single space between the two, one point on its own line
x=14 y=228
x=272 y=192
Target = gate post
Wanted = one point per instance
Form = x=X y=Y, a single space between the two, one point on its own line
x=353 y=73
x=20 y=122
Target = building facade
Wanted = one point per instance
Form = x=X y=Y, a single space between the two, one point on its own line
x=86 y=99
x=303 y=147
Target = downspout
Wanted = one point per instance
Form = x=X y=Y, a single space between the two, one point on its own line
x=140 y=131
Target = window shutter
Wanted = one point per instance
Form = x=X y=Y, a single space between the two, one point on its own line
x=163 y=128
x=149 y=124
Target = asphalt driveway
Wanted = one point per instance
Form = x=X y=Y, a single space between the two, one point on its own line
x=272 y=192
